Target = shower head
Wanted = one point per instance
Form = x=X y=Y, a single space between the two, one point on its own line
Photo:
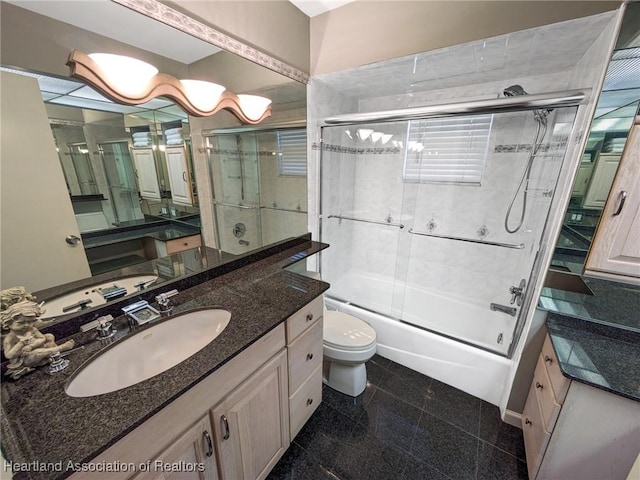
x=517 y=90
x=514 y=91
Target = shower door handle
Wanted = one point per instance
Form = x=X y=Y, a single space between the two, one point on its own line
x=623 y=198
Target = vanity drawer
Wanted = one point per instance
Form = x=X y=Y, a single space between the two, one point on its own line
x=305 y=354
x=305 y=401
x=559 y=382
x=549 y=407
x=536 y=438
x=304 y=318
x=184 y=243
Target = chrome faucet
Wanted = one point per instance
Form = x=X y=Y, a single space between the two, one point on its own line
x=164 y=302
x=517 y=292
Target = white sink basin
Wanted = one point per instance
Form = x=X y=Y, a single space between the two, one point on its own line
x=148 y=353
x=55 y=306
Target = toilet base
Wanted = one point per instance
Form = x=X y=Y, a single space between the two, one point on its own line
x=348 y=379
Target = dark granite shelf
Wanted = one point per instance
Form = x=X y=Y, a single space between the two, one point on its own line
x=164 y=231
x=40 y=423
x=596 y=354
x=611 y=302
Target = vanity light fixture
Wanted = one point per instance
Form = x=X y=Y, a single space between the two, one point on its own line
x=129 y=81
x=386 y=137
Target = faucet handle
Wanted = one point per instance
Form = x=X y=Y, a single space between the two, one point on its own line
x=104 y=327
x=163 y=300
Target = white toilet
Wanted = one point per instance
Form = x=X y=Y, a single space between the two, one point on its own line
x=348 y=343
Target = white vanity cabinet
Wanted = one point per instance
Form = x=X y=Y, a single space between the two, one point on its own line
x=252 y=424
x=245 y=408
x=304 y=350
x=193 y=448
x=615 y=252
x=572 y=430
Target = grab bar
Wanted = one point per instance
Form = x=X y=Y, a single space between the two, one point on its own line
x=285 y=209
x=243 y=207
x=496 y=307
x=387 y=224
x=518 y=246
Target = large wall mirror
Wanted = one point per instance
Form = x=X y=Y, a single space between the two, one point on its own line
x=122 y=168
x=617 y=107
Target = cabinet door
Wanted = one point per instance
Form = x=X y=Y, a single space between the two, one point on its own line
x=616 y=246
x=179 y=176
x=252 y=424
x=603 y=173
x=190 y=457
x=146 y=173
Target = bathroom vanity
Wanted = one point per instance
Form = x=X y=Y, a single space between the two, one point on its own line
x=229 y=410
x=582 y=415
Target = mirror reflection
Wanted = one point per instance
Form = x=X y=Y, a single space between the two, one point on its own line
x=129 y=181
x=616 y=109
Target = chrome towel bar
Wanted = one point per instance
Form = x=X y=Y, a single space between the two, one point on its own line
x=518 y=246
x=387 y=224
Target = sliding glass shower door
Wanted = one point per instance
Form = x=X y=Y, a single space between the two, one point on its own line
x=415 y=213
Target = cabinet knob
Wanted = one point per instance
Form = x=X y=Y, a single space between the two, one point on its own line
x=527 y=421
x=309 y=356
x=309 y=317
x=309 y=401
x=548 y=359
x=539 y=385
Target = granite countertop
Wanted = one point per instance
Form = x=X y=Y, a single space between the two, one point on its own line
x=611 y=302
x=41 y=423
x=600 y=355
x=164 y=231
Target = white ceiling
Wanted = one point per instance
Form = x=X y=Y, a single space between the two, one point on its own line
x=316 y=7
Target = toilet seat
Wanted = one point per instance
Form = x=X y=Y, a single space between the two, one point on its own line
x=345 y=332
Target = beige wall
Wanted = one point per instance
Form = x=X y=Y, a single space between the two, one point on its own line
x=277 y=28
x=367 y=31
x=41 y=44
x=236 y=73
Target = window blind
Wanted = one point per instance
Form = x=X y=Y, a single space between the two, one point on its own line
x=447 y=150
x=292 y=152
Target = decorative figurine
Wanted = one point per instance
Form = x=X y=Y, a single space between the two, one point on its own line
x=25 y=346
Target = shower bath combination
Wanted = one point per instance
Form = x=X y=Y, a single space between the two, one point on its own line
x=541 y=119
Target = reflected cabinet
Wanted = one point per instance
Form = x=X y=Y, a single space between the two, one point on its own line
x=615 y=252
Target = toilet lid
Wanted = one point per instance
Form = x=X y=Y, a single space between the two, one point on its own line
x=346 y=331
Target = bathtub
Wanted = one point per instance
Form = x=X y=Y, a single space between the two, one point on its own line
x=468 y=368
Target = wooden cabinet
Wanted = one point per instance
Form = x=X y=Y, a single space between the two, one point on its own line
x=304 y=350
x=179 y=175
x=252 y=424
x=146 y=173
x=157 y=248
x=615 y=252
x=190 y=457
x=573 y=430
x=605 y=169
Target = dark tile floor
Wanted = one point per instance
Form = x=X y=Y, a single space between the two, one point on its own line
x=404 y=426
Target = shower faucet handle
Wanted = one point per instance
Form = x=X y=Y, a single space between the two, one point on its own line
x=517 y=292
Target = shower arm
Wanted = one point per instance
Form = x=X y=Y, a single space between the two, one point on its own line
x=539 y=101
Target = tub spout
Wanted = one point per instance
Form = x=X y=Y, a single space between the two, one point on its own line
x=496 y=307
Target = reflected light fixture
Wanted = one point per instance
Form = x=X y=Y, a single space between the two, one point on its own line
x=363 y=133
x=129 y=81
x=375 y=136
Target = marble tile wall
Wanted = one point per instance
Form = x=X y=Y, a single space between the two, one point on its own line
x=547 y=59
